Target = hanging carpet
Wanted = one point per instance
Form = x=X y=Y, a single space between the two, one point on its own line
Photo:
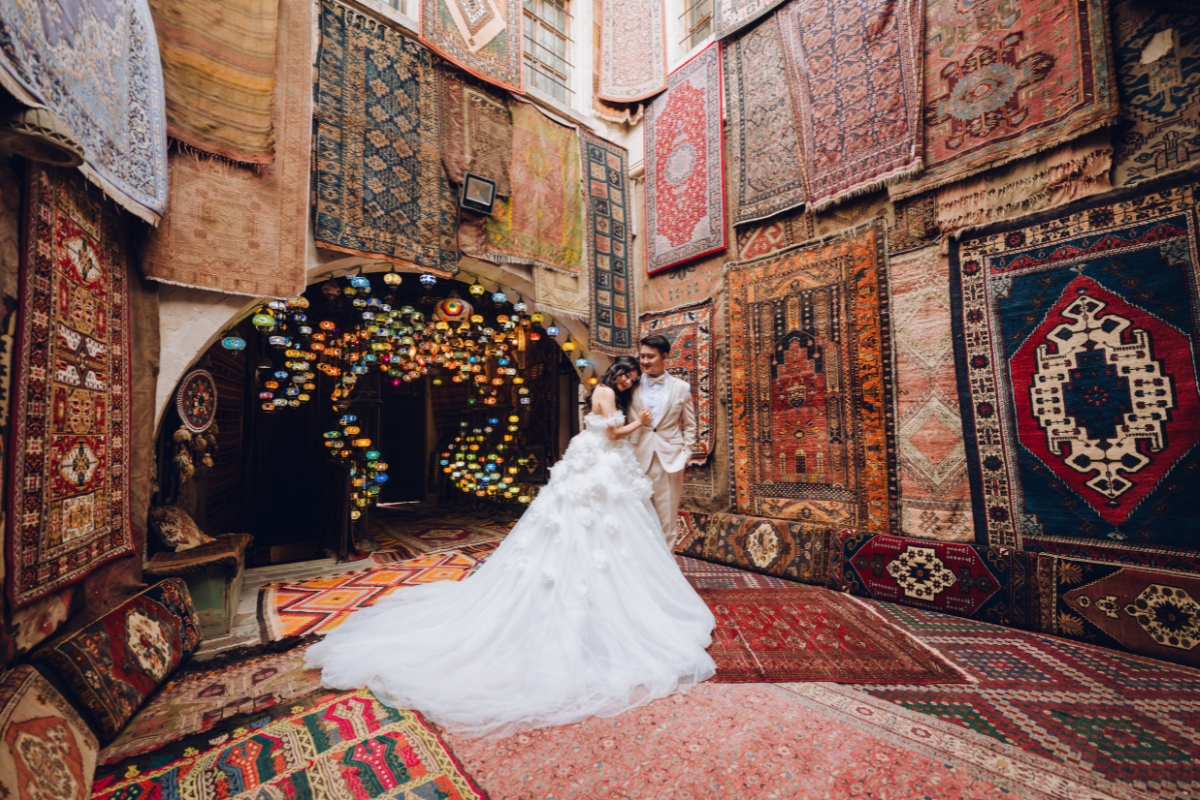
x=476 y=130
x=633 y=50
x=482 y=37
x=691 y=329
x=612 y=326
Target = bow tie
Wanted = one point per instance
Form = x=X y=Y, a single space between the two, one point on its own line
x=659 y=381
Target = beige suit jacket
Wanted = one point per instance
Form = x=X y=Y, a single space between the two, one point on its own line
x=674 y=437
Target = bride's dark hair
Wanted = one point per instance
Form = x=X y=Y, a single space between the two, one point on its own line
x=622 y=365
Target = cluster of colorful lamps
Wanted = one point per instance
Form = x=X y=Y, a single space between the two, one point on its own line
x=368 y=471
x=477 y=464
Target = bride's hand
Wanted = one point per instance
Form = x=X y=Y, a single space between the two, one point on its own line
x=645 y=417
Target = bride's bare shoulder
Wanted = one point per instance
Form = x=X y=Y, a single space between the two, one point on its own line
x=603 y=391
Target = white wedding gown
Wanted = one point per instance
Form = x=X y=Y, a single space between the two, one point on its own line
x=580 y=612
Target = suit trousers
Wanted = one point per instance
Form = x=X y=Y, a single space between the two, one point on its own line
x=668 y=491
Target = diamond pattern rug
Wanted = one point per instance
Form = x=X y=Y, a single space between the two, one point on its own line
x=409 y=534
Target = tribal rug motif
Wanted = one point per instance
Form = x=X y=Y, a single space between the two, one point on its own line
x=810 y=379
x=759 y=741
x=1118 y=716
x=243 y=231
x=481 y=36
x=415 y=538
x=380 y=188
x=46 y=749
x=96 y=67
x=1157 y=54
x=477 y=132
x=390 y=557
x=71 y=414
x=691 y=329
x=201 y=701
x=690 y=531
x=730 y=16
x=914 y=224
x=1151 y=612
x=633 y=50
x=542 y=223
x=612 y=326
x=854 y=71
x=958 y=579
x=1005 y=81
x=706 y=575
x=765 y=168
x=218 y=63
x=350 y=746
x=320 y=605
x=1076 y=344
x=935 y=495
x=793 y=550
x=685 y=194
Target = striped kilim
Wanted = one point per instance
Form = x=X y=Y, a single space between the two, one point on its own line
x=706 y=575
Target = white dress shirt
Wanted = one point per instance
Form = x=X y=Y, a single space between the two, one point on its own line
x=654 y=395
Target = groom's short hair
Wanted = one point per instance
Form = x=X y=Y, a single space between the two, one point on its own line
x=659 y=342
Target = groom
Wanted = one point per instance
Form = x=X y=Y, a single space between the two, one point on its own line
x=664 y=447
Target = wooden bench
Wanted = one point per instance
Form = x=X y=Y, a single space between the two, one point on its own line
x=213 y=573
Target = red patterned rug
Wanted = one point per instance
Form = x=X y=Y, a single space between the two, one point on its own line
x=807 y=633
x=706 y=575
x=407 y=533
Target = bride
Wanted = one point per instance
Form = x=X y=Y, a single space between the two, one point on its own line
x=580 y=612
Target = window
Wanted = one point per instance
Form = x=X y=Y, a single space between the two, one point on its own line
x=697 y=21
x=547 y=36
x=399 y=5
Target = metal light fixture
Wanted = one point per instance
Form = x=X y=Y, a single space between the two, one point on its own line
x=478 y=193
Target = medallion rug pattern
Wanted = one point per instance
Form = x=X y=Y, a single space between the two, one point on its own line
x=477 y=131
x=854 y=70
x=811 y=385
x=380 y=188
x=71 y=416
x=633 y=50
x=46 y=749
x=1007 y=79
x=685 y=194
x=1076 y=344
x=481 y=36
x=612 y=327
x=691 y=329
x=797 y=551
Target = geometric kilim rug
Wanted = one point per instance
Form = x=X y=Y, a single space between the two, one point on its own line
x=706 y=575
x=810 y=378
x=320 y=605
x=1077 y=350
x=1127 y=718
x=411 y=538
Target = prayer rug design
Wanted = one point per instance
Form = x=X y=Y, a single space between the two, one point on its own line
x=320 y=605
x=96 y=67
x=351 y=745
x=243 y=231
x=542 y=223
x=380 y=188
x=685 y=194
x=201 y=701
x=914 y=224
x=953 y=578
x=793 y=550
x=691 y=329
x=765 y=168
x=1118 y=716
x=810 y=379
x=769 y=731
x=481 y=36
x=633 y=50
x=112 y=666
x=1151 y=612
x=46 y=749
x=1157 y=54
x=612 y=326
x=1076 y=345
x=1006 y=81
x=935 y=494
x=730 y=16
x=856 y=81
x=218 y=63
x=71 y=416
x=476 y=130
x=804 y=633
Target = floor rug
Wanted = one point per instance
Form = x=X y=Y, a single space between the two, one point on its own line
x=389 y=556
x=730 y=16
x=1123 y=717
x=412 y=538
x=854 y=70
x=476 y=130
x=320 y=605
x=807 y=325
x=607 y=233
x=96 y=67
x=483 y=38
x=349 y=746
x=766 y=171
x=685 y=194
x=999 y=87
x=254 y=240
x=201 y=700
x=1076 y=345
x=691 y=329
x=380 y=188
x=706 y=575
x=746 y=741
x=807 y=633
x=71 y=398
x=633 y=50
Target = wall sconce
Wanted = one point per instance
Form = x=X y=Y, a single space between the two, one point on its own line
x=478 y=193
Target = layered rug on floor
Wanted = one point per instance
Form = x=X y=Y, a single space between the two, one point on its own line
x=806 y=633
x=321 y=604
x=706 y=575
x=338 y=745
x=413 y=532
